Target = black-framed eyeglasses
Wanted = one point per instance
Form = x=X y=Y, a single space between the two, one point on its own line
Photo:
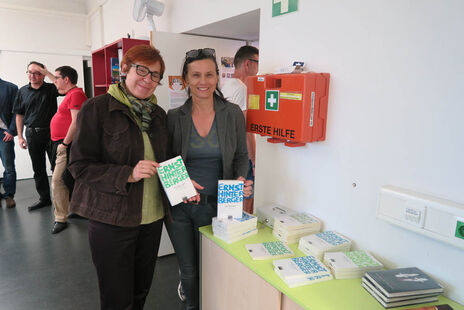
x=253 y=60
x=144 y=71
x=34 y=73
x=207 y=51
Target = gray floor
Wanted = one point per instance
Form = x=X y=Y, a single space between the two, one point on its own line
x=39 y=270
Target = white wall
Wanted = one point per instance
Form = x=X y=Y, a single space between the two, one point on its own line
x=36 y=30
x=74 y=6
x=52 y=38
x=395 y=110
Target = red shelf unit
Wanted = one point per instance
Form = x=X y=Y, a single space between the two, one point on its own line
x=101 y=62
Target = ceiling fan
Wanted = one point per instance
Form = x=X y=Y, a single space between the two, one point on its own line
x=148 y=9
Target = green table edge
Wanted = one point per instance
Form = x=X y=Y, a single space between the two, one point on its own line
x=344 y=294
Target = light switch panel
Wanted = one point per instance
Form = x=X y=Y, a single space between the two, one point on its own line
x=430 y=216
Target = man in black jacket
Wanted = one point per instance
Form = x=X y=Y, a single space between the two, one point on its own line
x=35 y=106
x=8 y=93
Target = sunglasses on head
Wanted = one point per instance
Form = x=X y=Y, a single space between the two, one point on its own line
x=197 y=52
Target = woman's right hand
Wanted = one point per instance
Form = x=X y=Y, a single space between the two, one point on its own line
x=144 y=169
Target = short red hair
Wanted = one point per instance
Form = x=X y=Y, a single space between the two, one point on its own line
x=142 y=53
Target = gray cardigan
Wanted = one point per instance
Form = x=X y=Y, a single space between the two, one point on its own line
x=231 y=134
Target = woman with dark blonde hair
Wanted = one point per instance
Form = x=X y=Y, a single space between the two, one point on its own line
x=209 y=133
x=121 y=136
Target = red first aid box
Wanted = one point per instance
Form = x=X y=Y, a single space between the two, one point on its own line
x=290 y=108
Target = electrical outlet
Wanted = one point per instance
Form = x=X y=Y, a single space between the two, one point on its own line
x=459 y=233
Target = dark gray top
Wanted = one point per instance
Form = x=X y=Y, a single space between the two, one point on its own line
x=204 y=160
x=230 y=125
x=37 y=105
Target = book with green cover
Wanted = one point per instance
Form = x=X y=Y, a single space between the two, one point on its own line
x=175 y=180
x=353 y=264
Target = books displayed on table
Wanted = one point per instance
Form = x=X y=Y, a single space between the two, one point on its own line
x=401 y=286
x=403 y=282
x=290 y=228
x=235 y=229
x=353 y=264
x=298 y=271
x=230 y=198
x=266 y=250
x=397 y=301
x=267 y=212
x=434 y=307
x=326 y=241
x=175 y=180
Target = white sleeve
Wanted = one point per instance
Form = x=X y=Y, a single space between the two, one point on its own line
x=236 y=94
x=240 y=98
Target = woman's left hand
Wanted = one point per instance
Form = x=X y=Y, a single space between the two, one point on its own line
x=195 y=199
x=247 y=186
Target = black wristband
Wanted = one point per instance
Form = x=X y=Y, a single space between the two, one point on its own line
x=64 y=144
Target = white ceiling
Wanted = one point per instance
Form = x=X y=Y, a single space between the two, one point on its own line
x=68 y=6
x=241 y=27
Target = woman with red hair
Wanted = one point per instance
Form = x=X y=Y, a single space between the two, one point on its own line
x=121 y=136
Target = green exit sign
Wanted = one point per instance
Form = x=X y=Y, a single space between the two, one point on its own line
x=459 y=229
x=280 y=7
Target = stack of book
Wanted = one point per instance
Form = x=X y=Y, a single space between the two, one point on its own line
x=266 y=250
x=267 y=212
x=235 y=229
x=298 y=271
x=354 y=264
x=401 y=287
x=326 y=241
x=290 y=228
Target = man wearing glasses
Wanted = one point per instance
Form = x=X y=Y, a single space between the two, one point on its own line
x=246 y=62
x=35 y=106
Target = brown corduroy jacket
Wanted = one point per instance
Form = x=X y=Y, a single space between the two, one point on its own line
x=107 y=145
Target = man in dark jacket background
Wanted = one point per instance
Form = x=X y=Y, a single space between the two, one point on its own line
x=8 y=93
x=35 y=106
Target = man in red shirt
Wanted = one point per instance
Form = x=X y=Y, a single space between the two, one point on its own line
x=62 y=129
